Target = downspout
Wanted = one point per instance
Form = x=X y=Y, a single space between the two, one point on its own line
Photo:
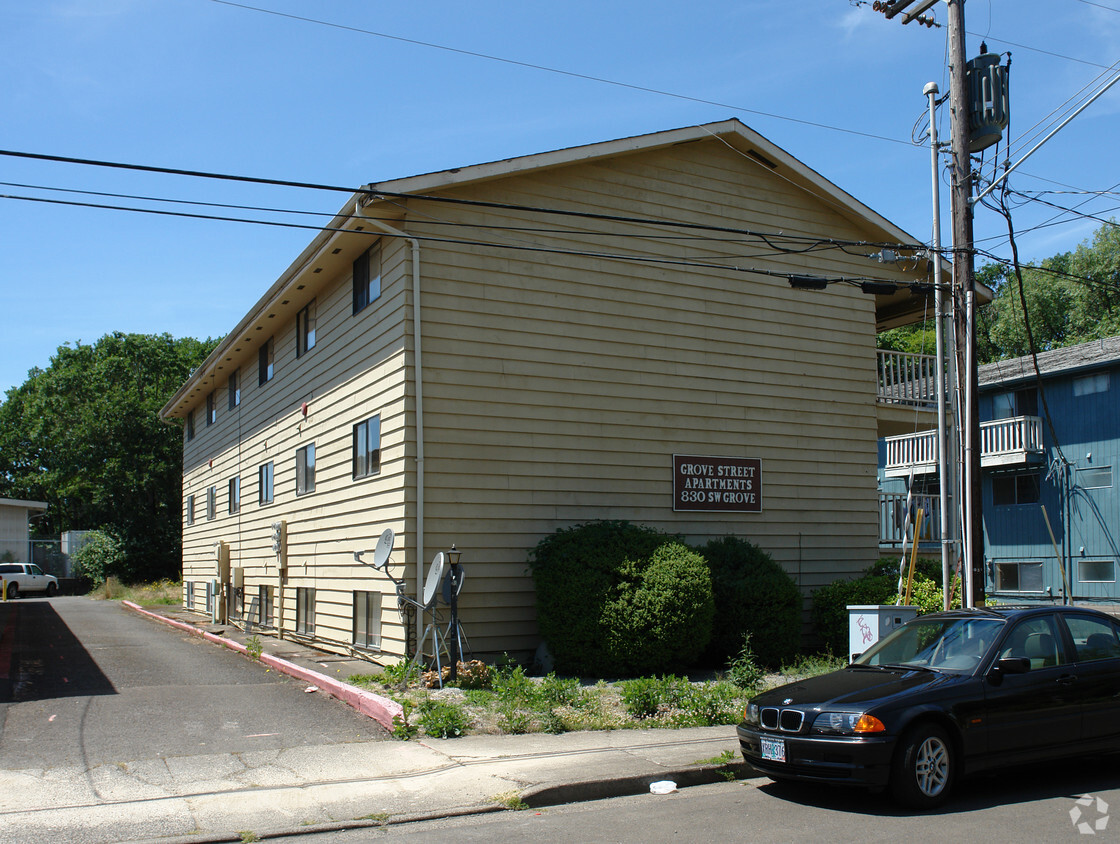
x=418 y=374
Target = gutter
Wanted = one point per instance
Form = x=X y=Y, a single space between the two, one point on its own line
x=418 y=375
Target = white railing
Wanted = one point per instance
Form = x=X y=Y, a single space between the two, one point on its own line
x=918 y=450
x=892 y=517
x=1010 y=440
x=907 y=379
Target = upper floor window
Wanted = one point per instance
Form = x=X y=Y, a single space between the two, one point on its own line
x=234 y=494
x=189 y=427
x=1015 y=403
x=367 y=277
x=367 y=447
x=265 y=477
x=1095 y=477
x=234 y=389
x=1088 y=384
x=266 y=366
x=211 y=502
x=190 y=509
x=211 y=409
x=305 y=469
x=305 y=329
x=1015 y=489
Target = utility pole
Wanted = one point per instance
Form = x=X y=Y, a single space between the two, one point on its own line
x=965 y=295
x=964 y=288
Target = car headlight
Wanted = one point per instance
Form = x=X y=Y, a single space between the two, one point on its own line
x=847 y=723
x=750 y=714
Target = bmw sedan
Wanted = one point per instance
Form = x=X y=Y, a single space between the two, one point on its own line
x=945 y=695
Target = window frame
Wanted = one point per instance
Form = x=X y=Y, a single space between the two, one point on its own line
x=266 y=362
x=306 y=329
x=190 y=509
x=1090 y=385
x=305 y=469
x=235 y=389
x=211 y=409
x=362 y=466
x=233 y=490
x=1019 y=564
x=367 y=278
x=305 y=610
x=266 y=472
x=211 y=503
x=1101 y=562
x=1090 y=469
x=266 y=605
x=1016 y=479
x=189 y=426
x=366 y=619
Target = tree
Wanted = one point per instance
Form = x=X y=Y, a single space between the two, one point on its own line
x=85 y=436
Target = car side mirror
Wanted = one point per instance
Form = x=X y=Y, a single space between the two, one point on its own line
x=1008 y=665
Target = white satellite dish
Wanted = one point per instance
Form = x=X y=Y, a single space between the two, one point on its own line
x=384 y=549
x=435 y=577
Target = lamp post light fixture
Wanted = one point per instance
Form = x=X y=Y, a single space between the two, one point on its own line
x=456 y=651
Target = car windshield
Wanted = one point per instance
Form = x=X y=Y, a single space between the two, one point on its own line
x=943 y=644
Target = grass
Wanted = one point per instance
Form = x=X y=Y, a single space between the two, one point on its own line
x=160 y=593
x=512 y=702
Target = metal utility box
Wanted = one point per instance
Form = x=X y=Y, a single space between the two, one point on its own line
x=869 y=623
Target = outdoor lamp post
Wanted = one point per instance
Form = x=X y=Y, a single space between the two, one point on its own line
x=456 y=655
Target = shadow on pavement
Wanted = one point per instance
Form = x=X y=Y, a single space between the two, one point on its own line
x=41 y=659
x=1070 y=778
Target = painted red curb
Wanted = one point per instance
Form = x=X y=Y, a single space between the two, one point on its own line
x=381 y=709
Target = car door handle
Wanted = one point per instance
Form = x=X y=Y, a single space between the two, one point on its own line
x=1067 y=680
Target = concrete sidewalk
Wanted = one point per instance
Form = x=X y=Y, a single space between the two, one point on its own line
x=371 y=784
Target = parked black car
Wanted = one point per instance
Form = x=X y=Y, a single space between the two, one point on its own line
x=947 y=694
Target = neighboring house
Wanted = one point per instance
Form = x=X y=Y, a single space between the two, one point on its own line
x=446 y=362
x=1033 y=473
x=15 y=535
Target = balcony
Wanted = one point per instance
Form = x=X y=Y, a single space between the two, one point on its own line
x=1003 y=442
x=892 y=519
x=906 y=379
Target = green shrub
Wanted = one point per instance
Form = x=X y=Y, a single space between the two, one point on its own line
x=755 y=595
x=101 y=556
x=830 y=606
x=744 y=670
x=645 y=697
x=442 y=718
x=927 y=596
x=614 y=598
x=712 y=704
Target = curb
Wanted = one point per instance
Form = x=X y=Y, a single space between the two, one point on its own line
x=381 y=709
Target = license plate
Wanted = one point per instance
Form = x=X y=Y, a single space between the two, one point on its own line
x=773 y=749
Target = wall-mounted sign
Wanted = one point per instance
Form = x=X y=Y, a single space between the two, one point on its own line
x=717 y=483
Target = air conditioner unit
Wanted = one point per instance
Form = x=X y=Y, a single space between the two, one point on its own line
x=238 y=577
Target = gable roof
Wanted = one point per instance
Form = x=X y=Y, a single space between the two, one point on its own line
x=892 y=309
x=1067 y=360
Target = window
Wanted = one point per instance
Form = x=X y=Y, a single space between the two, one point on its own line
x=367 y=619
x=1096 y=571
x=305 y=329
x=234 y=494
x=305 y=610
x=209 y=596
x=1035 y=639
x=1015 y=489
x=190 y=509
x=266 y=367
x=211 y=502
x=189 y=427
x=1019 y=577
x=265 y=477
x=266 y=605
x=235 y=389
x=189 y=599
x=367 y=277
x=1016 y=403
x=1089 y=384
x=1093 y=638
x=1095 y=478
x=211 y=410
x=305 y=469
x=367 y=447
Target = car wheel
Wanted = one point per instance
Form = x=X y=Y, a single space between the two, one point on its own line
x=13 y=591
x=52 y=590
x=924 y=766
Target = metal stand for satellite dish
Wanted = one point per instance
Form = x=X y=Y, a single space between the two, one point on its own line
x=454 y=635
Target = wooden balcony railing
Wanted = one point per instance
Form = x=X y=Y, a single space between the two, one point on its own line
x=1003 y=442
x=907 y=379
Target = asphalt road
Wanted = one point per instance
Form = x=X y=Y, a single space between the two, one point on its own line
x=1023 y=805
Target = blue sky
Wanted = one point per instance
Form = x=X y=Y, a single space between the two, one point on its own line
x=213 y=86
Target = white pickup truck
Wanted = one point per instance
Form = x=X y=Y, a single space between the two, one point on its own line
x=26 y=577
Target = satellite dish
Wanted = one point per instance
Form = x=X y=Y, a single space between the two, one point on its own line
x=384 y=549
x=435 y=576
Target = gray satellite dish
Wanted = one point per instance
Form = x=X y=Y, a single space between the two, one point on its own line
x=435 y=577
x=384 y=549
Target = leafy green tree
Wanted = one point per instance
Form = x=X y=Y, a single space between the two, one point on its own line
x=85 y=436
